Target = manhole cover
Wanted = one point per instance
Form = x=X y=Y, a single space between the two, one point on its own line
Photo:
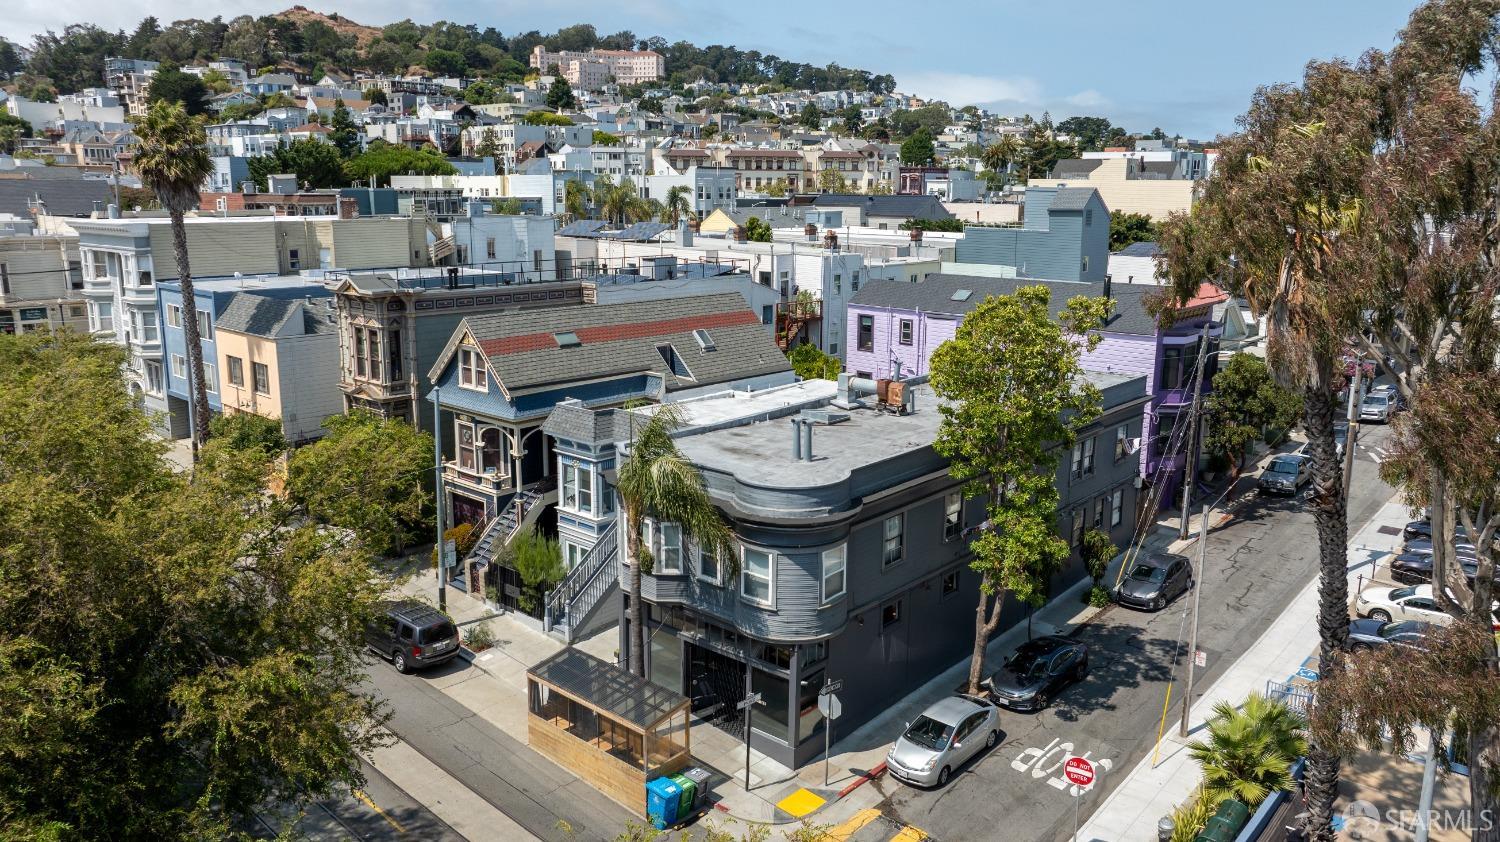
x=1389 y=530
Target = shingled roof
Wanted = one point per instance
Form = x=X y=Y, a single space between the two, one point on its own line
x=533 y=349
x=261 y=315
x=946 y=294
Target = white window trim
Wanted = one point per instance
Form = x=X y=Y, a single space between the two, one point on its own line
x=698 y=554
x=660 y=550
x=959 y=527
x=771 y=576
x=842 y=554
x=479 y=374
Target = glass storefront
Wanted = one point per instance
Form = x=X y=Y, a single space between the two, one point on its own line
x=666 y=660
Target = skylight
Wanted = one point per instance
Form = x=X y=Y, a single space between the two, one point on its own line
x=705 y=341
x=567 y=339
x=962 y=294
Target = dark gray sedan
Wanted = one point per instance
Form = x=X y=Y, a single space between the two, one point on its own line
x=1155 y=581
x=1368 y=634
x=1286 y=474
x=1034 y=674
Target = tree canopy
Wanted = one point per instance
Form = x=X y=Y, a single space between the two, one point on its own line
x=918 y=149
x=1126 y=228
x=316 y=164
x=173 y=85
x=175 y=650
x=381 y=160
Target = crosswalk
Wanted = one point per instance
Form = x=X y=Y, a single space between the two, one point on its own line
x=874 y=826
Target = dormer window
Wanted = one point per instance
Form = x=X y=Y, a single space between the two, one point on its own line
x=471 y=372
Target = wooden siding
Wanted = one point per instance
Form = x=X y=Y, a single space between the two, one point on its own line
x=619 y=781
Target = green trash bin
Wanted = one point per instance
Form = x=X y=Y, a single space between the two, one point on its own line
x=689 y=797
x=1235 y=813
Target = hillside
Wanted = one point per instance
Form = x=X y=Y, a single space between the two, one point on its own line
x=313 y=42
x=301 y=15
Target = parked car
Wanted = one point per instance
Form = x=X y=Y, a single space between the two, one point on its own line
x=1155 y=581
x=1286 y=474
x=1423 y=546
x=1368 y=634
x=942 y=738
x=1414 y=602
x=1416 y=568
x=1418 y=529
x=413 y=635
x=1378 y=406
x=1037 y=671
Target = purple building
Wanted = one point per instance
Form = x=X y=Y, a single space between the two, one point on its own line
x=894 y=326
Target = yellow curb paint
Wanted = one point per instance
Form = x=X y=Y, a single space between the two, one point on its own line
x=843 y=832
x=909 y=834
x=376 y=807
x=800 y=803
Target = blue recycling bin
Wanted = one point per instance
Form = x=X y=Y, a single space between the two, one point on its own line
x=662 y=795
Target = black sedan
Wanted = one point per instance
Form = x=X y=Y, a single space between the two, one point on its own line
x=1155 y=581
x=1423 y=529
x=1423 y=546
x=1037 y=671
x=1368 y=634
x=1416 y=568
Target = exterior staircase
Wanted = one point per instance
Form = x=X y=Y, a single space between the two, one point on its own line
x=518 y=515
x=573 y=608
x=792 y=316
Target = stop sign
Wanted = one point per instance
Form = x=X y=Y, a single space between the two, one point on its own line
x=1078 y=771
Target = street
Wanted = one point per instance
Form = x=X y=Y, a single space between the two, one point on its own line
x=1255 y=565
x=379 y=811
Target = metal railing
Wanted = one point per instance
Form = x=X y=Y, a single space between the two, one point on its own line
x=585 y=584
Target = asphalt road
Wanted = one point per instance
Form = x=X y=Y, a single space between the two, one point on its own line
x=379 y=811
x=1254 y=566
x=544 y=799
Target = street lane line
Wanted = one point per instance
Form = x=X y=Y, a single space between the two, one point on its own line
x=853 y=825
x=370 y=802
x=909 y=834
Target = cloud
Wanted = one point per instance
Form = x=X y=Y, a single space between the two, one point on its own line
x=967 y=89
x=1088 y=99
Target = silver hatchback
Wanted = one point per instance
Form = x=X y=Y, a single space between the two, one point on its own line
x=942 y=738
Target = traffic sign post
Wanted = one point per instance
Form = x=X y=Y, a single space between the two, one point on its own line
x=752 y=699
x=1079 y=772
x=831 y=708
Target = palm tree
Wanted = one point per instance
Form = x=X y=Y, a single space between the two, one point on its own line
x=656 y=481
x=576 y=200
x=999 y=155
x=677 y=205
x=172 y=160
x=1249 y=751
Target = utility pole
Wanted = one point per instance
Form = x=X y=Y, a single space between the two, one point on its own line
x=437 y=460
x=1353 y=420
x=1191 y=465
x=1187 y=694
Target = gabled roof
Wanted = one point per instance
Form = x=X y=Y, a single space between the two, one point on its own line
x=904 y=206
x=531 y=349
x=63 y=196
x=1142 y=249
x=260 y=315
x=943 y=293
x=1072 y=198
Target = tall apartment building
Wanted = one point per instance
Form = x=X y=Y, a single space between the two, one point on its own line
x=591 y=70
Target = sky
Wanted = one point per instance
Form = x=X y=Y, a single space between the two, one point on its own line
x=1188 y=68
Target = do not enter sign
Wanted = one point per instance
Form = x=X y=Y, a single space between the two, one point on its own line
x=1079 y=771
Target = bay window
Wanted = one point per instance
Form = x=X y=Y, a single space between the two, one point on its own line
x=466 y=460
x=835 y=582
x=669 y=553
x=756 y=570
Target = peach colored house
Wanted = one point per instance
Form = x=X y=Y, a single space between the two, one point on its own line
x=279 y=358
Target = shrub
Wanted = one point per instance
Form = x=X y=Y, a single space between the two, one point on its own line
x=1189 y=818
x=481 y=637
x=1098 y=596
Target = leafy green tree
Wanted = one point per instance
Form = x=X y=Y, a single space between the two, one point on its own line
x=953 y=226
x=316 y=164
x=546 y=118
x=539 y=561
x=382 y=160
x=178 y=649
x=246 y=431
x=811 y=116
x=479 y=93
x=445 y=62
x=918 y=150
x=776 y=189
x=657 y=481
x=367 y=474
x=1246 y=402
x=240 y=111
x=12 y=129
x=810 y=363
x=831 y=181
x=606 y=139
x=216 y=82
x=507 y=207
x=173 y=85
x=489 y=144
x=376 y=96
x=757 y=230
x=1091 y=132
x=853 y=119
x=172 y=160
x=10 y=59
x=560 y=95
x=1013 y=399
x=1249 y=750
x=1126 y=228
x=576 y=200
x=1098 y=552
x=343 y=133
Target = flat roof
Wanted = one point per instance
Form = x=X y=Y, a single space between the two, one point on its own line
x=615 y=691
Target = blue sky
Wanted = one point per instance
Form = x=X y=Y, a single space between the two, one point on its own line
x=1188 y=68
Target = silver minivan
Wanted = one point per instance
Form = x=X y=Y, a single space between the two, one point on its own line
x=942 y=738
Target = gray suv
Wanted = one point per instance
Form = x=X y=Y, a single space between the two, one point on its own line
x=412 y=635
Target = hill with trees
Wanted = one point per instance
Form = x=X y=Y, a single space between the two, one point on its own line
x=312 y=43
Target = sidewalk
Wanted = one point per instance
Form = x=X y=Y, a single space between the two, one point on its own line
x=1151 y=790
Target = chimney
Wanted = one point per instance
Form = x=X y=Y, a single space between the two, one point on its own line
x=811 y=231
x=831 y=240
x=684 y=233
x=807 y=433
x=1108 y=282
x=348 y=208
x=739 y=234
x=797 y=439
x=916 y=234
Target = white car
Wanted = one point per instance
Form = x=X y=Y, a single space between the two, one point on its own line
x=1409 y=603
